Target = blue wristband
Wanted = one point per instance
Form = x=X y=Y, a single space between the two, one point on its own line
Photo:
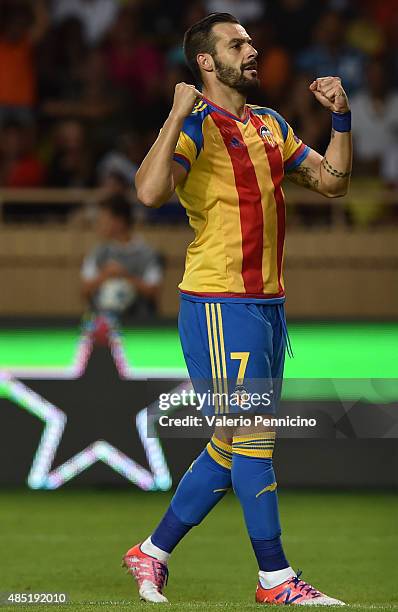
x=341 y=122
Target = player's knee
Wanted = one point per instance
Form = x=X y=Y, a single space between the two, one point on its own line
x=225 y=434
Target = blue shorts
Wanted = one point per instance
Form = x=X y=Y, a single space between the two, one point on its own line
x=235 y=348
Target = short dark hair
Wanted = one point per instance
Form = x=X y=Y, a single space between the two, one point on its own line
x=120 y=207
x=199 y=38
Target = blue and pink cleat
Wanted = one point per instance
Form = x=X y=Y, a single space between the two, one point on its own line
x=151 y=576
x=294 y=592
x=149 y=573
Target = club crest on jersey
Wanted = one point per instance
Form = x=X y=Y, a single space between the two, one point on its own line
x=266 y=134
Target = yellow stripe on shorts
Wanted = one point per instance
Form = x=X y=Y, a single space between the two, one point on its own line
x=211 y=351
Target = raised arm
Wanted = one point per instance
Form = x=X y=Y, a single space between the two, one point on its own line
x=158 y=175
x=330 y=174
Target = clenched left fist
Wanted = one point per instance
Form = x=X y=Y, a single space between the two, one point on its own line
x=330 y=93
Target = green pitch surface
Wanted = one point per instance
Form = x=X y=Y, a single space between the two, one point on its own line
x=322 y=350
x=72 y=542
x=332 y=361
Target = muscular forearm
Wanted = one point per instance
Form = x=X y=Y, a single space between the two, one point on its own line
x=335 y=168
x=154 y=179
x=158 y=175
x=330 y=174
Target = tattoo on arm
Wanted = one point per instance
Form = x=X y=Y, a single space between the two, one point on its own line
x=329 y=168
x=304 y=176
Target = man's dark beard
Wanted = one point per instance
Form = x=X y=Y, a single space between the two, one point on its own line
x=235 y=78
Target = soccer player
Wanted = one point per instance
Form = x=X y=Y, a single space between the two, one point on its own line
x=226 y=161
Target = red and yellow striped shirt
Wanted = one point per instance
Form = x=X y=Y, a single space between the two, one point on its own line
x=234 y=200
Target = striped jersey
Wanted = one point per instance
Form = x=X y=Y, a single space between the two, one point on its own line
x=234 y=200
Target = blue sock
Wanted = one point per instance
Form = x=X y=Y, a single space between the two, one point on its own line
x=253 y=480
x=269 y=554
x=169 y=531
x=201 y=488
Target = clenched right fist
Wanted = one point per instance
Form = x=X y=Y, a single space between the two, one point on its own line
x=185 y=97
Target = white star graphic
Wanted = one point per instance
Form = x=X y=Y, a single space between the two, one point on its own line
x=41 y=476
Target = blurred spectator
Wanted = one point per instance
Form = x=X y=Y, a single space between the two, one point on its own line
x=134 y=62
x=383 y=11
x=22 y=26
x=366 y=35
x=116 y=173
x=392 y=49
x=60 y=58
x=274 y=63
x=163 y=19
x=96 y=16
x=19 y=163
x=91 y=98
x=330 y=55
x=294 y=21
x=177 y=69
x=116 y=170
x=103 y=68
x=71 y=164
x=248 y=11
x=123 y=274
x=192 y=13
x=375 y=125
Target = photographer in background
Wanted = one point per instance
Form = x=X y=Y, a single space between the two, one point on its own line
x=123 y=274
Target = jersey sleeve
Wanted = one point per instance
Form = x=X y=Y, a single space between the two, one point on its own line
x=294 y=150
x=189 y=143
